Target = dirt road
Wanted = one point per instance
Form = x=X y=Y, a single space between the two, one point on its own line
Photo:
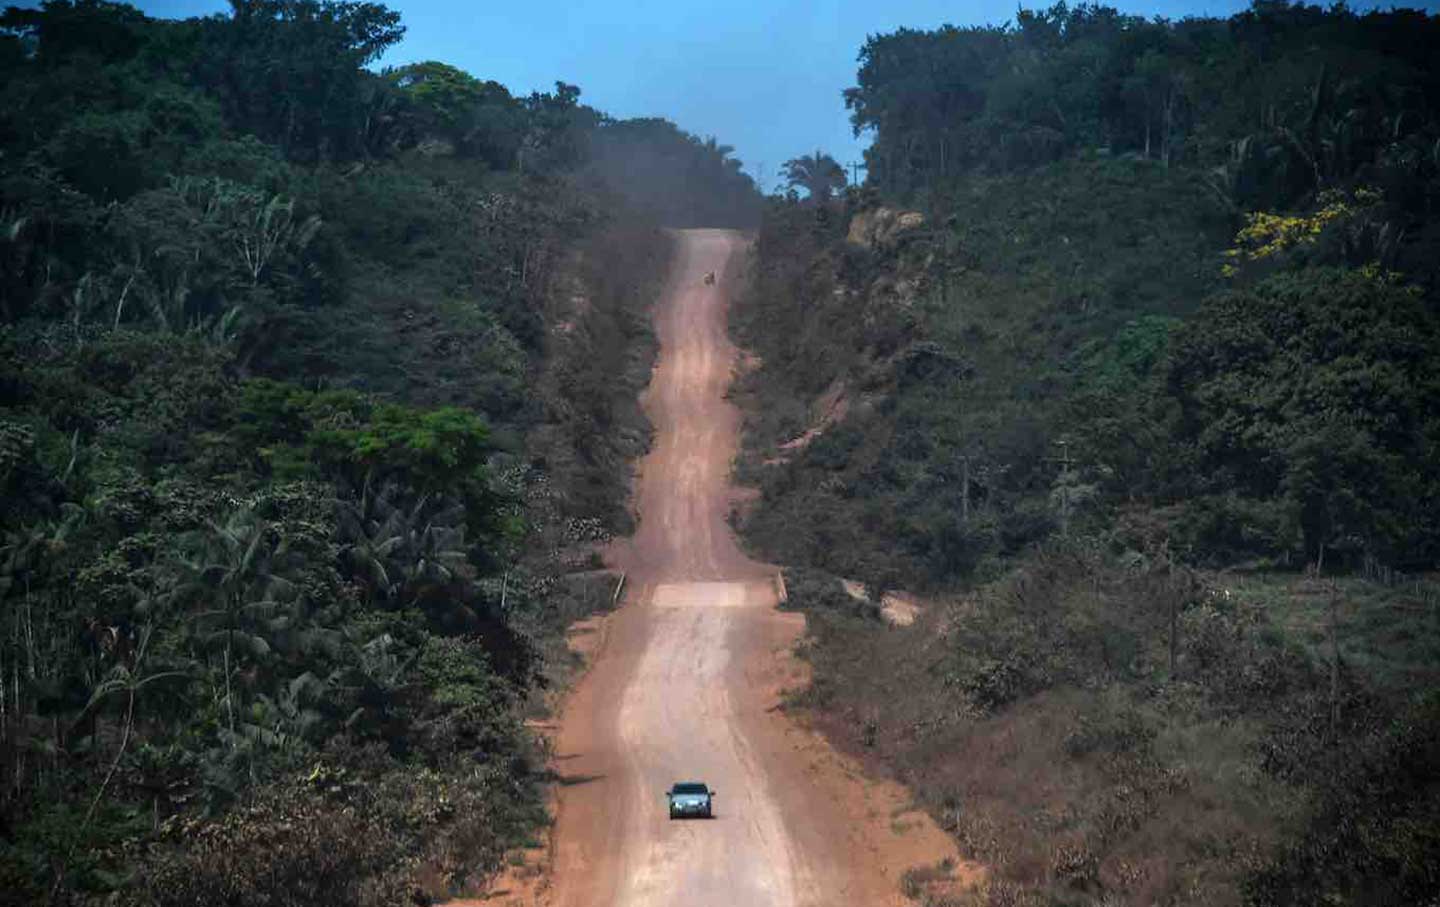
x=686 y=683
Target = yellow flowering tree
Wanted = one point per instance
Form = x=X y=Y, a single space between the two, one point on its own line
x=1267 y=235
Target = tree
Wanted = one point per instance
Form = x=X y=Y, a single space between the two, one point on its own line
x=1316 y=391
x=233 y=579
x=820 y=175
x=478 y=118
x=1157 y=90
x=62 y=29
x=431 y=450
x=558 y=124
x=292 y=71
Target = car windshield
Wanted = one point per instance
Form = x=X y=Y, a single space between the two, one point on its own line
x=689 y=789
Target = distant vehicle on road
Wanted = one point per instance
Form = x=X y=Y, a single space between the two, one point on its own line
x=691 y=798
x=709 y=277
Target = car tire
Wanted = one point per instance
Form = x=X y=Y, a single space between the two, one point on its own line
x=709 y=812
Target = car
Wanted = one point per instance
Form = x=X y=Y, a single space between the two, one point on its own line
x=691 y=798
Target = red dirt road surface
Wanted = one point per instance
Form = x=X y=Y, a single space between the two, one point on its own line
x=686 y=684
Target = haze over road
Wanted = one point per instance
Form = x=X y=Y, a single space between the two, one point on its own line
x=686 y=683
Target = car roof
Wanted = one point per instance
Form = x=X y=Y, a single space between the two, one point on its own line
x=689 y=787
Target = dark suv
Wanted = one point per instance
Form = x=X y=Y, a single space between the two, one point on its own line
x=691 y=798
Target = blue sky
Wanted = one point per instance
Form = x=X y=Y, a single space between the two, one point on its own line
x=763 y=76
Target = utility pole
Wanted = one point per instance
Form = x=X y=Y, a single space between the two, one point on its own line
x=1064 y=459
x=1064 y=489
x=855 y=168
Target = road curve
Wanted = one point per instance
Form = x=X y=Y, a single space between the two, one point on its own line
x=686 y=683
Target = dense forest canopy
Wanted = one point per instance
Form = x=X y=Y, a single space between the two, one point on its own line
x=317 y=394
x=1118 y=172
x=1274 y=105
x=299 y=422
x=1126 y=353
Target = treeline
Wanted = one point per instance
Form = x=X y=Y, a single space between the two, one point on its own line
x=301 y=427
x=1127 y=351
x=1272 y=105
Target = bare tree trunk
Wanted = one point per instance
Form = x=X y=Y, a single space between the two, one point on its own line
x=64 y=865
x=965 y=491
x=4 y=704
x=120 y=754
x=15 y=692
x=287 y=143
x=1334 y=666
x=229 y=699
x=1169 y=125
x=29 y=632
x=120 y=306
x=1174 y=597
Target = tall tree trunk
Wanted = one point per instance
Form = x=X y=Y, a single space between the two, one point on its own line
x=1334 y=666
x=119 y=754
x=4 y=703
x=965 y=491
x=1169 y=127
x=229 y=699
x=1174 y=597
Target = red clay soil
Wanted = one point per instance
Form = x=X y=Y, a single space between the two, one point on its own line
x=687 y=683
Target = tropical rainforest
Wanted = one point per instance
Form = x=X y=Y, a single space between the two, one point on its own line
x=318 y=388
x=318 y=393
x=1124 y=358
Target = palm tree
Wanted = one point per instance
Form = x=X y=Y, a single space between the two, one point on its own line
x=716 y=150
x=818 y=174
x=235 y=574
x=406 y=554
x=432 y=563
x=372 y=528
